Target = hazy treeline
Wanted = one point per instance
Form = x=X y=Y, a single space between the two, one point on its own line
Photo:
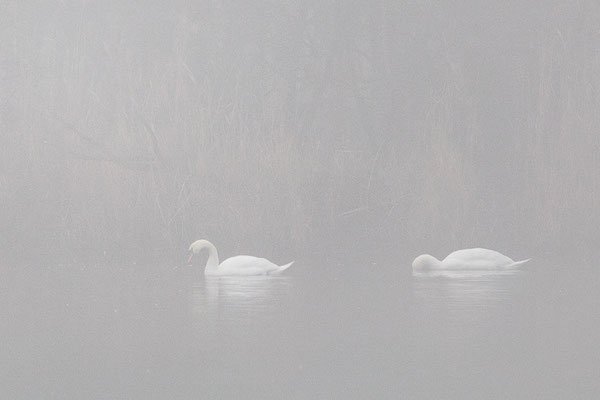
x=129 y=129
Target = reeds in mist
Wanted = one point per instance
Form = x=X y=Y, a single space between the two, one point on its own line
x=302 y=137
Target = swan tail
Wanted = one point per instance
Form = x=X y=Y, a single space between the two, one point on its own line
x=282 y=268
x=519 y=263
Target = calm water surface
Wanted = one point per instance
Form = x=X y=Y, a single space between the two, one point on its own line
x=162 y=332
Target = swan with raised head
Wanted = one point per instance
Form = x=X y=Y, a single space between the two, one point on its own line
x=237 y=265
x=467 y=259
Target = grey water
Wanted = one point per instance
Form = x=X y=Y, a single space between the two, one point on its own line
x=364 y=132
x=167 y=332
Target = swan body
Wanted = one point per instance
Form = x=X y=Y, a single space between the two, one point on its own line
x=234 y=266
x=467 y=259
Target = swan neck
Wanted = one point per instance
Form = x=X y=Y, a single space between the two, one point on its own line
x=212 y=263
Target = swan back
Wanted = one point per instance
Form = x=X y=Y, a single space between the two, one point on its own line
x=476 y=258
x=247 y=265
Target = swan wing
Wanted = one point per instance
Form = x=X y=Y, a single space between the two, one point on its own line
x=246 y=265
x=477 y=258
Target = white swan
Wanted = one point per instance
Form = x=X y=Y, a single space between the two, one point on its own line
x=238 y=265
x=467 y=259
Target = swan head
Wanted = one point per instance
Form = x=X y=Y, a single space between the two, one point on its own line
x=198 y=246
x=425 y=262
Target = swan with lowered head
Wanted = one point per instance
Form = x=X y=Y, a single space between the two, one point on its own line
x=467 y=259
x=238 y=265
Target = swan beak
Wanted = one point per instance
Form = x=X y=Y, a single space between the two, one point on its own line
x=190 y=257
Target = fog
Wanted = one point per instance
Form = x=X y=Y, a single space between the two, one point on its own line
x=347 y=136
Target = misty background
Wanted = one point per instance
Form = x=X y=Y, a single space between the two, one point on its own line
x=349 y=136
x=298 y=129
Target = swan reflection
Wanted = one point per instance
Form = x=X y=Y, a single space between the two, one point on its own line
x=464 y=292
x=239 y=298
